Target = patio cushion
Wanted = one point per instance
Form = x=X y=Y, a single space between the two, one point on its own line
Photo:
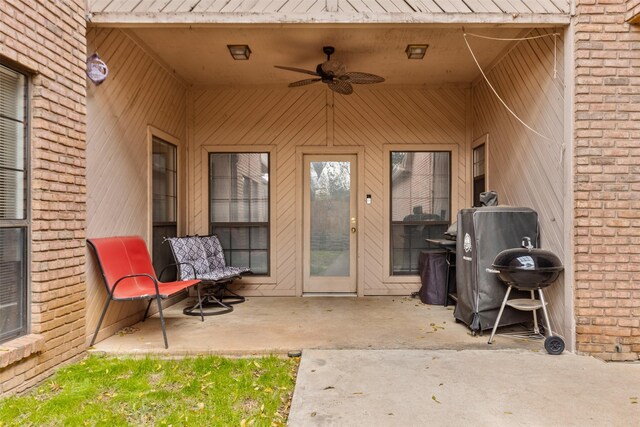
x=213 y=251
x=189 y=250
x=215 y=257
x=223 y=273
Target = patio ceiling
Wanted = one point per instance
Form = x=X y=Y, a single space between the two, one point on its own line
x=199 y=55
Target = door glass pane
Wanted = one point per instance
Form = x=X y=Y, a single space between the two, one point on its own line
x=329 y=211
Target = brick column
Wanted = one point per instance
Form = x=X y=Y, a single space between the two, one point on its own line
x=607 y=180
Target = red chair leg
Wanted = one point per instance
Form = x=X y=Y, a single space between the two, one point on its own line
x=147 y=310
x=104 y=311
x=164 y=332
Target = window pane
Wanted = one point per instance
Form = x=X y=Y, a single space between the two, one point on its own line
x=420 y=205
x=259 y=237
x=13 y=283
x=240 y=258
x=12 y=94
x=259 y=262
x=479 y=161
x=11 y=144
x=164 y=181
x=239 y=207
x=12 y=195
x=420 y=186
x=240 y=238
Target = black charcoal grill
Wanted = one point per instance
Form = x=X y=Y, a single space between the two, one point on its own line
x=529 y=269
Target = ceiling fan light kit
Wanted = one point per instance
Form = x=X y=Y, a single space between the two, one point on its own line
x=416 y=51
x=334 y=74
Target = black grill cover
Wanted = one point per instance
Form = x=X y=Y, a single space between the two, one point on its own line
x=482 y=234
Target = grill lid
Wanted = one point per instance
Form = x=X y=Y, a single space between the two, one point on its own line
x=527 y=259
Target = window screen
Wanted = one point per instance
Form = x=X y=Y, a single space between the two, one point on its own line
x=14 y=227
x=420 y=205
x=239 y=207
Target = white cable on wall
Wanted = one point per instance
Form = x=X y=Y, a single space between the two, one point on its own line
x=465 y=34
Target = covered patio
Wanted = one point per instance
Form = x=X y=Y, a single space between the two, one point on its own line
x=245 y=145
x=278 y=325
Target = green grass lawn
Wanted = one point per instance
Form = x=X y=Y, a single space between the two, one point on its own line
x=203 y=391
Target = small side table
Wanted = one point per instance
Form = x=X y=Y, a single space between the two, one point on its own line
x=450 y=248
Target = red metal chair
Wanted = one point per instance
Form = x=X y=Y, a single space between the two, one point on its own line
x=128 y=275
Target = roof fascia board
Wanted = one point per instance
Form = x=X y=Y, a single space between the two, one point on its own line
x=112 y=19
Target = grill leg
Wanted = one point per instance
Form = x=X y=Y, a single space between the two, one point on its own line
x=536 y=329
x=547 y=323
x=504 y=303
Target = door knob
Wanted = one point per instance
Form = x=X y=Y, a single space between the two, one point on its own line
x=353 y=229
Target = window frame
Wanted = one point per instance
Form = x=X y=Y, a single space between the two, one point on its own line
x=26 y=222
x=204 y=226
x=452 y=149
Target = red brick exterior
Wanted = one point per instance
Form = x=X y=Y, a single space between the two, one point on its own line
x=47 y=39
x=607 y=180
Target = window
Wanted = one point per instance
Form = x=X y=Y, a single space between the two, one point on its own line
x=479 y=167
x=14 y=210
x=420 y=205
x=165 y=203
x=239 y=207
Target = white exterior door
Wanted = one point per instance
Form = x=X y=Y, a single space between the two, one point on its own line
x=330 y=224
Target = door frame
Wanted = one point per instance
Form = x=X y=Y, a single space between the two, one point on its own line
x=358 y=152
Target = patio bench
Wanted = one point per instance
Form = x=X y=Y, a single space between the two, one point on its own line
x=202 y=258
x=128 y=275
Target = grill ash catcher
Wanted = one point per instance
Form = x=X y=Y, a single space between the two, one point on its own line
x=529 y=269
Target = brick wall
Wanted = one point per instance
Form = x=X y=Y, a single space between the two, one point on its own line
x=607 y=180
x=48 y=39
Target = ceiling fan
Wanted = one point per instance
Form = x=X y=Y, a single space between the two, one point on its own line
x=334 y=74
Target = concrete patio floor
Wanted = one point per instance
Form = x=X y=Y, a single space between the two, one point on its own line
x=266 y=325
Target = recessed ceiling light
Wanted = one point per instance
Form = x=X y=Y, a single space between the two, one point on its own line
x=416 y=51
x=239 y=51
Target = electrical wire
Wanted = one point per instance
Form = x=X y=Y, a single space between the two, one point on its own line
x=494 y=90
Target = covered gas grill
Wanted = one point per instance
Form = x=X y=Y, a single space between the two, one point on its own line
x=529 y=269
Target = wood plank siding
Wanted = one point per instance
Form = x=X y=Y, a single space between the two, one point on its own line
x=524 y=168
x=292 y=120
x=138 y=93
x=329 y=11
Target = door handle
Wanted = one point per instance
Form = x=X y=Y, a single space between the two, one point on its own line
x=353 y=229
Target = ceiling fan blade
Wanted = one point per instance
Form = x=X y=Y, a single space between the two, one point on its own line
x=303 y=82
x=333 y=68
x=298 y=70
x=340 y=86
x=361 y=78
